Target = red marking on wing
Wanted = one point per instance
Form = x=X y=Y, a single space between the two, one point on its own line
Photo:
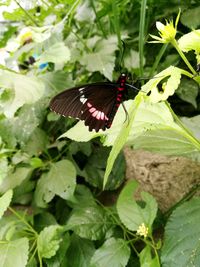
x=99 y=115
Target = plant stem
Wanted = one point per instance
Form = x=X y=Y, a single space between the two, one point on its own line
x=115 y=9
x=175 y=44
x=141 y=34
x=158 y=58
x=24 y=221
x=98 y=20
x=27 y=14
x=155 y=250
x=72 y=8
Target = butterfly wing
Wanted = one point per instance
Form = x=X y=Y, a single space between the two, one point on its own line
x=93 y=103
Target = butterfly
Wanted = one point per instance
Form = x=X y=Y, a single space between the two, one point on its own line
x=95 y=103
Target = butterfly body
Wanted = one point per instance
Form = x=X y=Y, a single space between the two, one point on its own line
x=95 y=103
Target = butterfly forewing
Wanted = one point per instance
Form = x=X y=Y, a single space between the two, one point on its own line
x=92 y=103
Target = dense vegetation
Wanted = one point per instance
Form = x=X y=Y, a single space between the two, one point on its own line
x=54 y=173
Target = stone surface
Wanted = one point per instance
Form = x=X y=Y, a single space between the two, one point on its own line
x=168 y=179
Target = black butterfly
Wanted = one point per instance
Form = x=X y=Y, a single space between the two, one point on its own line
x=95 y=103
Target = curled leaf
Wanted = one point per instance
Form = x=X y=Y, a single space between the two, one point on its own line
x=173 y=76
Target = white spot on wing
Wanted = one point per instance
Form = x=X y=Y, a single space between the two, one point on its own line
x=83 y=99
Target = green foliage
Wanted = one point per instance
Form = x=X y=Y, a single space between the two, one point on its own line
x=53 y=170
x=5 y=202
x=14 y=251
x=126 y=206
x=114 y=252
x=48 y=241
x=182 y=236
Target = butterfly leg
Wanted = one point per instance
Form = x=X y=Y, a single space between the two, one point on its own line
x=126 y=112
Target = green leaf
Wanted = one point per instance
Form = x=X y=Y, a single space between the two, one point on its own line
x=132 y=60
x=90 y=222
x=146 y=259
x=188 y=91
x=25 y=123
x=14 y=252
x=48 y=241
x=26 y=90
x=60 y=180
x=193 y=124
x=80 y=252
x=190 y=41
x=95 y=168
x=181 y=242
x=36 y=163
x=190 y=17
x=131 y=213
x=103 y=57
x=5 y=201
x=4 y=168
x=16 y=15
x=80 y=133
x=36 y=143
x=57 y=53
x=113 y=253
x=15 y=179
x=6 y=133
x=84 y=13
x=60 y=259
x=43 y=220
x=173 y=76
x=121 y=140
x=57 y=81
x=168 y=141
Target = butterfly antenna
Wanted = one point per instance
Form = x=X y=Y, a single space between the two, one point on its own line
x=132 y=86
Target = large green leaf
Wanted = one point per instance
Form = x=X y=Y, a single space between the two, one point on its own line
x=95 y=168
x=188 y=91
x=36 y=143
x=168 y=141
x=57 y=81
x=7 y=133
x=102 y=58
x=181 y=242
x=146 y=258
x=25 y=123
x=5 y=201
x=90 y=222
x=26 y=90
x=60 y=259
x=57 y=53
x=131 y=213
x=48 y=241
x=4 y=168
x=113 y=253
x=120 y=140
x=60 y=180
x=15 y=178
x=80 y=252
x=190 y=17
x=14 y=253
